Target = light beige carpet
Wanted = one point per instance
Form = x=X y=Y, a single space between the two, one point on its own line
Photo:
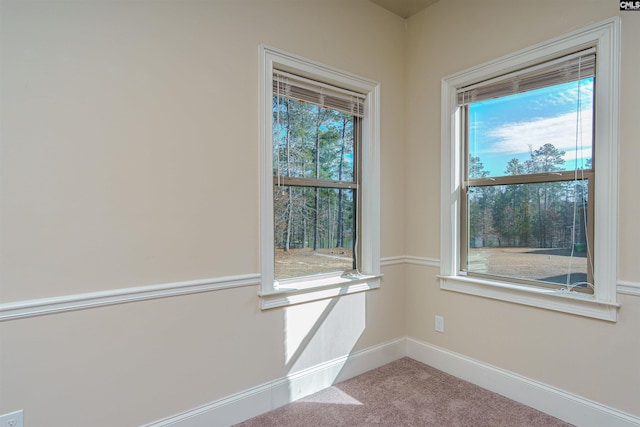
x=405 y=393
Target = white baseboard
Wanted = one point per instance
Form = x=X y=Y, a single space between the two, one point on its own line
x=553 y=401
x=266 y=397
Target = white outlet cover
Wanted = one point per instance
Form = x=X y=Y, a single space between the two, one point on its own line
x=440 y=324
x=14 y=419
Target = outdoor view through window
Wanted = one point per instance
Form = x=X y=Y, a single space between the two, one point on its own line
x=528 y=185
x=315 y=181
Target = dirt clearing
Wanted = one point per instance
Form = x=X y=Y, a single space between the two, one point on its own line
x=305 y=262
x=550 y=265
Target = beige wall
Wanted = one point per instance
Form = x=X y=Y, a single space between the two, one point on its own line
x=129 y=158
x=594 y=359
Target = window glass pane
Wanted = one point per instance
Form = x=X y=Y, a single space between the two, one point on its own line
x=530 y=231
x=311 y=141
x=314 y=230
x=543 y=130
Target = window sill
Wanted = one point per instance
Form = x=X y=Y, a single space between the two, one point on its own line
x=316 y=289
x=550 y=299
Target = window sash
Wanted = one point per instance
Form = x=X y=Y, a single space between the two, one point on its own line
x=567 y=176
x=332 y=227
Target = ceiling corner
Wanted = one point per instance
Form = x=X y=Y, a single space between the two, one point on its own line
x=404 y=8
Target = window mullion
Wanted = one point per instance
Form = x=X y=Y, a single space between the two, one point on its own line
x=312 y=182
x=530 y=178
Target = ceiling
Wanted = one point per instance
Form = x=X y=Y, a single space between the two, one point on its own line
x=404 y=8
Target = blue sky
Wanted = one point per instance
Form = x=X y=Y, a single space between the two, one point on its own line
x=504 y=128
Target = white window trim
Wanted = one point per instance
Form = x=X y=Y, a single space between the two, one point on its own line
x=325 y=286
x=605 y=36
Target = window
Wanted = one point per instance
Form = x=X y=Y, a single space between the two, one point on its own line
x=529 y=185
x=319 y=181
x=525 y=207
x=316 y=162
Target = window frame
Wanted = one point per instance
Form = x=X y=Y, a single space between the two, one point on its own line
x=605 y=37
x=293 y=291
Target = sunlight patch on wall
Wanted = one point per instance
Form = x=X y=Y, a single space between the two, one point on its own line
x=323 y=330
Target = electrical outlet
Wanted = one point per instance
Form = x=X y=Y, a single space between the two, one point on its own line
x=14 y=419
x=440 y=324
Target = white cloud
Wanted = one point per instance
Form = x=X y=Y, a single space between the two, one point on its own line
x=571 y=96
x=516 y=138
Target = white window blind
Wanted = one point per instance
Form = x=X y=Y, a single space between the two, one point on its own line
x=302 y=89
x=568 y=68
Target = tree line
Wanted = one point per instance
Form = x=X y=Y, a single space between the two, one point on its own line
x=316 y=143
x=540 y=215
